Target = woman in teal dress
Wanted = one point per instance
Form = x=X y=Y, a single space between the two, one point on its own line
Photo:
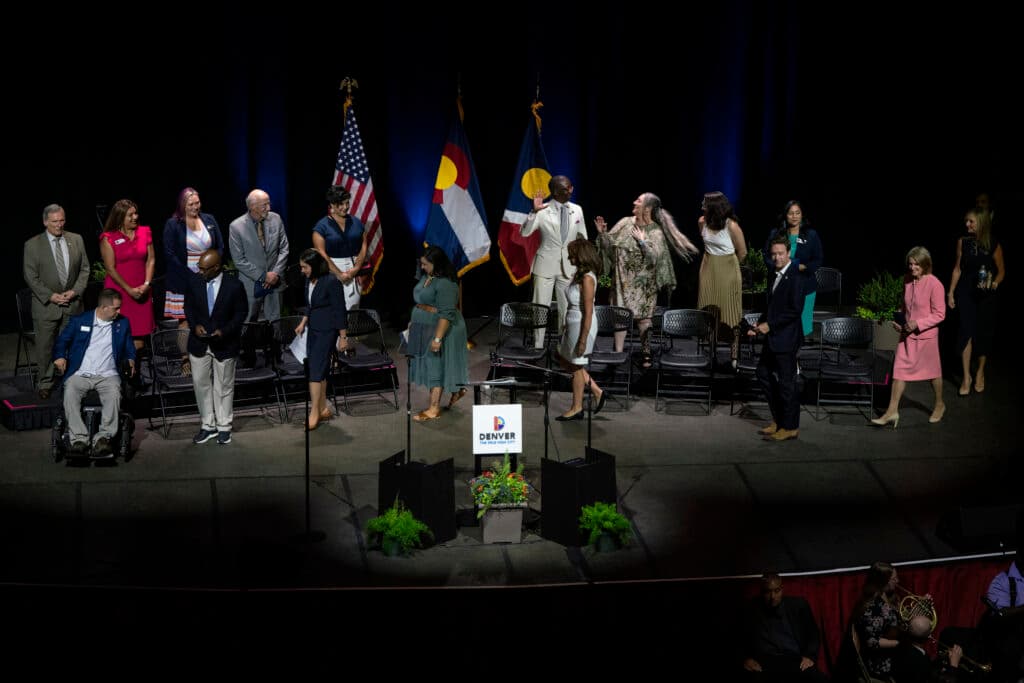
x=437 y=334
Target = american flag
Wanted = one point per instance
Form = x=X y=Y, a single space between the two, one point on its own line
x=352 y=172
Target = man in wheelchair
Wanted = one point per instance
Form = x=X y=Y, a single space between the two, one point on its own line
x=89 y=352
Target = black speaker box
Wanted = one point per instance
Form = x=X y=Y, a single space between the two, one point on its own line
x=567 y=486
x=428 y=491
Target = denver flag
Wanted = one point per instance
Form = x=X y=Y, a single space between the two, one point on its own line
x=456 y=223
x=531 y=176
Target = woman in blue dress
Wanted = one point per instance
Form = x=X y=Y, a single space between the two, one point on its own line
x=341 y=240
x=437 y=334
x=325 y=324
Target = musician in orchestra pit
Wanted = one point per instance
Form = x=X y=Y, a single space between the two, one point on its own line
x=779 y=641
x=1003 y=628
x=912 y=664
x=876 y=618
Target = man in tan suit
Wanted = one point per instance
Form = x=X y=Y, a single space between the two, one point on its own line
x=559 y=222
x=56 y=269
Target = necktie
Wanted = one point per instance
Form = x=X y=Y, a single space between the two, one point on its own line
x=211 y=296
x=62 y=265
x=565 y=223
x=778 y=279
x=259 y=233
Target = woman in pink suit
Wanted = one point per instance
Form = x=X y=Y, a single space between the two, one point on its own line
x=127 y=251
x=917 y=356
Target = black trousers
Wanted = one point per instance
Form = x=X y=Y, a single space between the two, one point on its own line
x=777 y=374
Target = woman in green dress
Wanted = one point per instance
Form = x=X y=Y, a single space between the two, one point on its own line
x=437 y=334
x=635 y=253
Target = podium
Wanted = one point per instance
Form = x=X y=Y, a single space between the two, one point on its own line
x=428 y=491
x=568 y=486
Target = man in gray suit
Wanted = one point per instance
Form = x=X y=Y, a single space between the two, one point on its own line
x=259 y=246
x=56 y=269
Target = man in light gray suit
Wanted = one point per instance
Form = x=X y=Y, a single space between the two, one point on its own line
x=259 y=247
x=56 y=269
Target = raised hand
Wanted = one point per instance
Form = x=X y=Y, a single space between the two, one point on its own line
x=600 y=224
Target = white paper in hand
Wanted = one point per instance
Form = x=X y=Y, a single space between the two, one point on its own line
x=298 y=346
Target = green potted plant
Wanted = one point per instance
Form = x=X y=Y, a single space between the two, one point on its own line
x=501 y=496
x=754 y=262
x=605 y=526
x=396 y=531
x=878 y=299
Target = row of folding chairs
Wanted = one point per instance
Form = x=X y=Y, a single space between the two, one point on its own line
x=842 y=362
x=268 y=368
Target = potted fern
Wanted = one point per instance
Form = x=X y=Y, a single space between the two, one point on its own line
x=878 y=299
x=396 y=531
x=606 y=528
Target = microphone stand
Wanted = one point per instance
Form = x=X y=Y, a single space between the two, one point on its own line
x=309 y=536
x=408 y=409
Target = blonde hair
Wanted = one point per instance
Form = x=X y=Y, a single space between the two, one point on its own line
x=923 y=258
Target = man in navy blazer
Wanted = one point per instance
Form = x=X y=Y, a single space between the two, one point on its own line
x=776 y=370
x=89 y=352
x=215 y=308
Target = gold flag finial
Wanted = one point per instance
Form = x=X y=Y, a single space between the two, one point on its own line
x=537 y=104
x=347 y=84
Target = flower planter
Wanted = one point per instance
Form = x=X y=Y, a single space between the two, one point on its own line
x=503 y=524
x=607 y=543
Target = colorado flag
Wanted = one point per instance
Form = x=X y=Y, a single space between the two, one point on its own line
x=456 y=223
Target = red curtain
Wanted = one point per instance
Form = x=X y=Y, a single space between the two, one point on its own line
x=956 y=587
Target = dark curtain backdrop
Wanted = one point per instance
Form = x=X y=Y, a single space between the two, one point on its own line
x=885 y=121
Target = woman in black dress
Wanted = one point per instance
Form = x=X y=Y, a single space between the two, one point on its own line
x=978 y=273
x=325 y=323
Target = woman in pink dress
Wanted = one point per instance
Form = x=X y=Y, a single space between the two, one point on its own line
x=127 y=251
x=917 y=356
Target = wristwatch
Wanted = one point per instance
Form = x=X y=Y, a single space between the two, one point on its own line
x=146 y=283
x=437 y=339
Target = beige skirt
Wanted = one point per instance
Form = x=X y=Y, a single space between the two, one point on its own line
x=722 y=287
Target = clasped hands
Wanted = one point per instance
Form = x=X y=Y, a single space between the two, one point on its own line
x=201 y=332
x=63 y=298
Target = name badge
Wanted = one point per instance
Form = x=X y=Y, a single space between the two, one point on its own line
x=85 y=328
x=120 y=241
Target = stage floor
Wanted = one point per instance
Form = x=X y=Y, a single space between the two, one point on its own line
x=706 y=496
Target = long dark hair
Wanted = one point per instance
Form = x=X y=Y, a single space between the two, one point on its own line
x=442 y=264
x=115 y=219
x=587 y=260
x=317 y=263
x=784 y=224
x=717 y=210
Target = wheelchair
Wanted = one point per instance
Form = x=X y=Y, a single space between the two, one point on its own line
x=92 y=408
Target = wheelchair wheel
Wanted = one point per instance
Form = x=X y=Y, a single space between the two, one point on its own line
x=124 y=442
x=57 y=438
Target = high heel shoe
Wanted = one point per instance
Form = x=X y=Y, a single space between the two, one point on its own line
x=311 y=426
x=886 y=419
x=979 y=387
x=937 y=414
x=326 y=414
x=600 y=402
